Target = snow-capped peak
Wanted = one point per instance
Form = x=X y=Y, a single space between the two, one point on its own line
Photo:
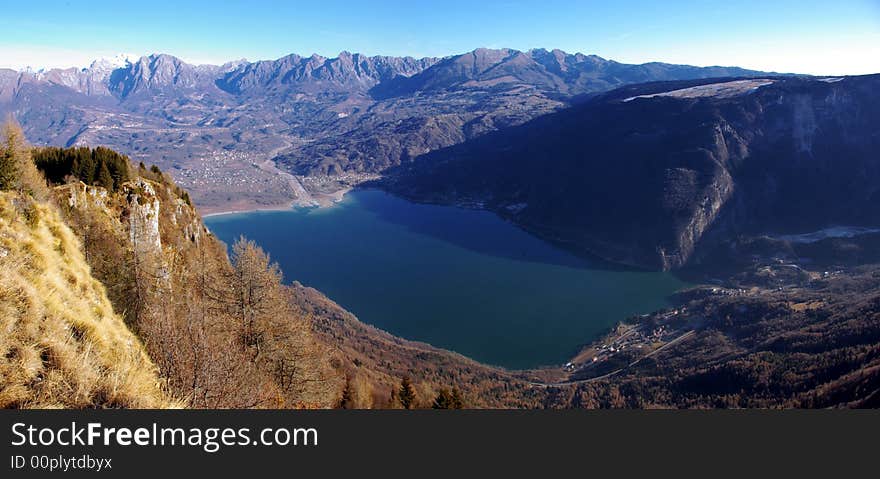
x=114 y=62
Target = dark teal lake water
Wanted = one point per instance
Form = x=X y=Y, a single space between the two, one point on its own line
x=459 y=279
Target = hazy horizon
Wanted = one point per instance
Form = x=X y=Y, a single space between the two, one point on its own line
x=787 y=36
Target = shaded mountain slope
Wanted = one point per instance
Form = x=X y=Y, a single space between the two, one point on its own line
x=641 y=174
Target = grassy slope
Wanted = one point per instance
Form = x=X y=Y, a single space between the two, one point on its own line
x=62 y=345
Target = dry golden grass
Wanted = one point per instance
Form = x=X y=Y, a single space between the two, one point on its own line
x=61 y=344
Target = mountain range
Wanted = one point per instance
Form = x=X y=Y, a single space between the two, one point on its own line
x=233 y=134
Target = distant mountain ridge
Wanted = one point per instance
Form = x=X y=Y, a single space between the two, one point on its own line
x=124 y=75
x=159 y=72
x=552 y=70
x=346 y=72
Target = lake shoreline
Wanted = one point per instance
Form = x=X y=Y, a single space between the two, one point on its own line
x=326 y=200
x=430 y=272
x=246 y=210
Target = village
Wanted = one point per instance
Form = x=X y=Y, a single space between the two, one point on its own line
x=629 y=342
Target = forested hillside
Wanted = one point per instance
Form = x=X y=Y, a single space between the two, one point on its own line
x=220 y=333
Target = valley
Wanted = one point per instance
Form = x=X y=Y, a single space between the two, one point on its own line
x=331 y=122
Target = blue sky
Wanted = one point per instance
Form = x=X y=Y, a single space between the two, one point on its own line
x=821 y=37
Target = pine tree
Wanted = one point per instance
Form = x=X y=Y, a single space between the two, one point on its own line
x=443 y=400
x=156 y=173
x=104 y=178
x=8 y=170
x=84 y=167
x=407 y=395
x=448 y=400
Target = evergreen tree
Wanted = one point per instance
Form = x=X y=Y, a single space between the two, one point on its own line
x=448 y=400
x=8 y=169
x=84 y=167
x=104 y=177
x=100 y=166
x=443 y=400
x=406 y=395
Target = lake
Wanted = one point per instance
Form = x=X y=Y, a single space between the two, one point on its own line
x=460 y=279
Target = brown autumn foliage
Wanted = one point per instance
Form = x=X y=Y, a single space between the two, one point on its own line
x=272 y=332
x=17 y=170
x=221 y=335
x=224 y=335
x=376 y=362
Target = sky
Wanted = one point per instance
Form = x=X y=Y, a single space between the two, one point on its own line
x=818 y=37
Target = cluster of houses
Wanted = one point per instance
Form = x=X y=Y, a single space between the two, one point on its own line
x=222 y=168
x=638 y=337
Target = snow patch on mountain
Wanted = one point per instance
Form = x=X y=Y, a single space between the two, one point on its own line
x=112 y=63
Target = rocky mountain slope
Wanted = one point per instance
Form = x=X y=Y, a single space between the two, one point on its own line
x=337 y=121
x=644 y=174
